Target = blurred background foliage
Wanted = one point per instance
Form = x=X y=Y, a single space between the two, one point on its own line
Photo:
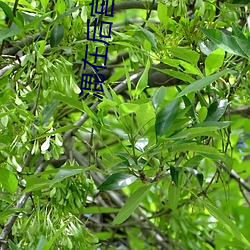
x=161 y=162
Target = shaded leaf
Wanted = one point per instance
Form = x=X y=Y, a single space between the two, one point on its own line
x=227 y=223
x=174 y=172
x=245 y=2
x=14 y=31
x=56 y=35
x=7 y=10
x=216 y=110
x=144 y=34
x=117 y=181
x=13 y=246
x=198 y=175
x=166 y=117
x=9 y=211
x=41 y=243
x=173 y=196
x=194 y=161
x=132 y=203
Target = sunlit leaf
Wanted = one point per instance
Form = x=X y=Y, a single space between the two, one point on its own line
x=214 y=61
x=198 y=85
x=158 y=97
x=186 y=54
x=8 y=180
x=67 y=172
x=223 y=41
x=143 y=81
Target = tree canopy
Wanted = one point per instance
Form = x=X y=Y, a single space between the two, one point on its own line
x=152 y=152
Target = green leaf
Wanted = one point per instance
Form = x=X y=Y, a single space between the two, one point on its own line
x=56 y=35
x=44 y=3
x=132 y=203
x=244 y=45
x=158 y=97
x=70 y=101
x=227 y=223
x=216 y=110
x=198 y=175
x=194 y=161
x=98 y=210
x=214 y=61
x=9 y=32
x=204 y=150
x=193 y=132
x=35 y=184
x=9 y=211
x=68 y=12
x=128 y=108
x=245 y=2
x=173 y=196
x=13 y=246
x=143 y=81
x=7 y=10
x=117 y=181
x=36 y=21
x=219 y=125
x=223 y=41
x=174 y=172
x=56 y=131
x=166 y=117
x=144 y=34
x=8 y=180
x=41 y=243
x=198 y=85
x=186 y=54
x=189 y=68
x=177 y=74
x=66 y=172
x=49 y=110
x=202 y=114
x=162 y=12
x=49 y=244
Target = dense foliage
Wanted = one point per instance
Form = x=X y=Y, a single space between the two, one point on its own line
x=161 y=162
